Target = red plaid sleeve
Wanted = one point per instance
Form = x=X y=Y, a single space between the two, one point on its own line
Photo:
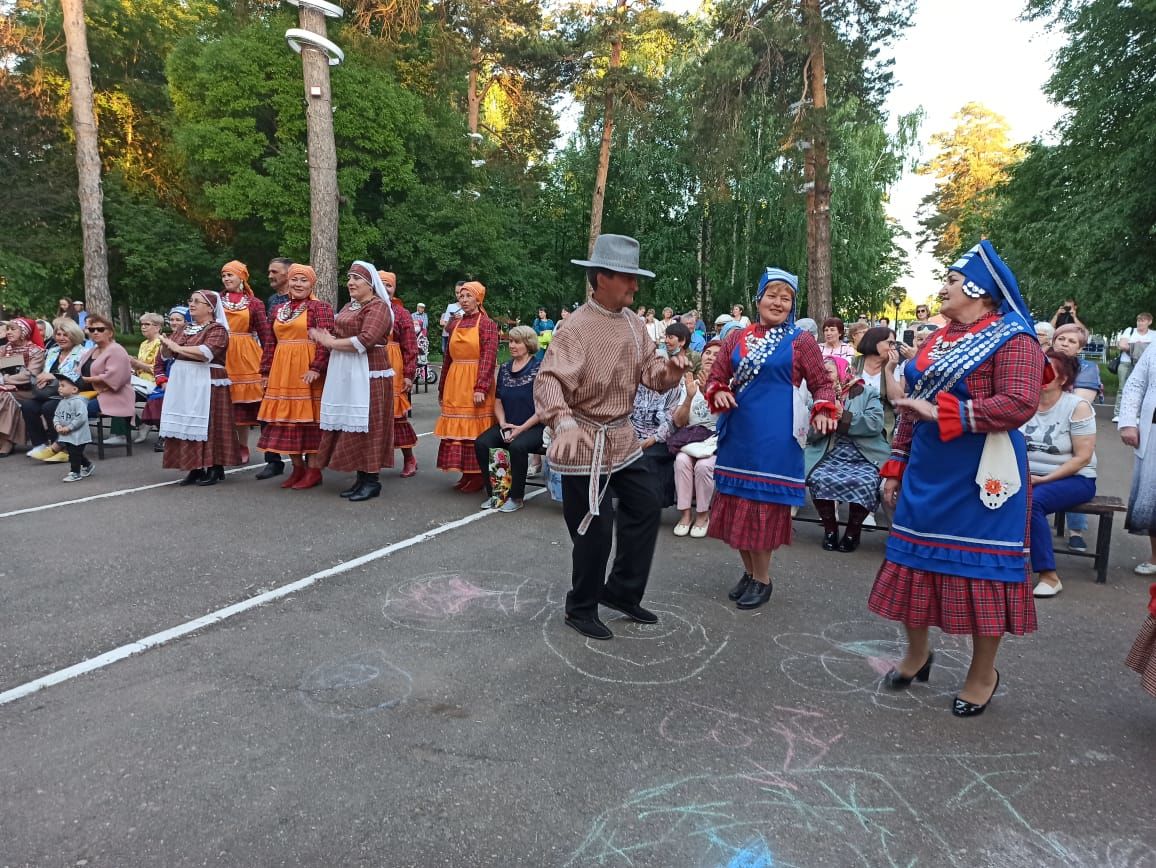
x=406 y=338
x=488 y=339
x=807 y=364
x=320 y=317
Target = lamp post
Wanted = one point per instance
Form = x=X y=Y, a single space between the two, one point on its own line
x=318 y=54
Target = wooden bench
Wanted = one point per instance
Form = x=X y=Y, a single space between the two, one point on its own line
x=1105 y=508
x=97 y=424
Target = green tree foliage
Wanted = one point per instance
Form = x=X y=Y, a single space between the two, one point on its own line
x=1078 y=215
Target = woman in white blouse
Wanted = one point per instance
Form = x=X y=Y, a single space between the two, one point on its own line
x=694 y=477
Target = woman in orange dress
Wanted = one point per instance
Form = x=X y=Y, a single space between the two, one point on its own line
x=248 y=332
x=293 y=368
x=466 y=390
x=402 y=352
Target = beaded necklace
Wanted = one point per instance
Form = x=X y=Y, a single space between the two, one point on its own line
x=195 y=329
x=951 y=361
x=759 y=350
x=235 y=306
x=286 y=313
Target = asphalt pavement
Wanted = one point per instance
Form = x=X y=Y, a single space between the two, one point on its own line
x=419 y=702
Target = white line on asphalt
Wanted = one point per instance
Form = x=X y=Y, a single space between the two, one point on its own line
x=157 y=639
x=124 y=491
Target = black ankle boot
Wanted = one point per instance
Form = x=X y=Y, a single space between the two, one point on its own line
x=831 y=541
x=215 y=474
x=370 y=487
x=353 y=489
x=193 y=477
x=756 y=594
x=741 y=588
x=848 y=543
x=271 y=469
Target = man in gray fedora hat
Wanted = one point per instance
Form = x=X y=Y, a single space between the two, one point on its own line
x=585 y=393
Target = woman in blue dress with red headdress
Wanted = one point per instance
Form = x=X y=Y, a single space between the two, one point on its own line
x=759 y=469
x=957 y=556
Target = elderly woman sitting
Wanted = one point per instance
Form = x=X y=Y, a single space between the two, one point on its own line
x=1061 y=442
x=1070 y=340
x=653 y=417
x=39 y=408
x=518 y=430
x=694 y=473
x=21 y=360
x=846 y=463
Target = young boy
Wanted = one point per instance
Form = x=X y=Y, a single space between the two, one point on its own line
x=71 y=423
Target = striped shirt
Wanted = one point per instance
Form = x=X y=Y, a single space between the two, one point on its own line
x=589 y=377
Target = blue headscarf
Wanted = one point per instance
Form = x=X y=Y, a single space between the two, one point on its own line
x=984 y=273
x=769 y=276
x=183 y=311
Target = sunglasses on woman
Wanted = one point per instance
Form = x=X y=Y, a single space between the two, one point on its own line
x=96 y=330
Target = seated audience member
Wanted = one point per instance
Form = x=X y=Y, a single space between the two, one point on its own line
x=518 y=430
x=877 y=352
x=151 y=414
x=808 y=325
x=1044 y=333
x=694 y=473
x=63 y=357
x=832 y=342
x=653 y=421
x=1070 y=340
x=1061 y=443
x=855 y=332
x=143 y=376
x=844 y=466
x=107 y=370
x=21 y=360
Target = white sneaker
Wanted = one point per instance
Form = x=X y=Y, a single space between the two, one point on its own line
x=72 y=477
x=1145 y=569
x=142 y=434
x=510 y=505
x=489 y=503
x=86 y=471
x=1043 y=589
x=115 y=440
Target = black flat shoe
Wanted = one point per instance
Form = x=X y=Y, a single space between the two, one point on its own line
x=831 y=541
x=216 y=474
x=756 y=594
x=963 y=708
x=848 y=544
x=273 y=468
x=193 y=477
x=634 y=613
x=365 y=491
x=159 y=446
x=741 y=588
x=896 y=681
x=353 y=488
x=591 y=628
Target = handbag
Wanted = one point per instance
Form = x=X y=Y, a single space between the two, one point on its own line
x=52 y=390
x=701 y=448
x=1114 y=365
x=684 y=436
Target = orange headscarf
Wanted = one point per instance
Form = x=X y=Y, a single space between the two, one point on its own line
x=241 y=270
x=390 y=280
x=476 y=289
x=307 y=270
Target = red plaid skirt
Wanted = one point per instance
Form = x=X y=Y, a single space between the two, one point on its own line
x=292 y=438
x=404 y=437
x=458 y=456
x=954 y=604
x=749 y=525
x=348 y=451
x=245 y=415
x=1142 y=657
x=220 y=449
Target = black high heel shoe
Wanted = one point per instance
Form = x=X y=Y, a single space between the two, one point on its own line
x=896 y=681
x=831 y=541
x=963 y=708
x=741 y=588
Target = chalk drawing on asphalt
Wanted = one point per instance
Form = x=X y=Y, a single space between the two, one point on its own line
x=363 y=683
x=677 y=648
x=468 y=601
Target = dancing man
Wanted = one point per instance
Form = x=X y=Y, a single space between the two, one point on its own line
x=585 y=393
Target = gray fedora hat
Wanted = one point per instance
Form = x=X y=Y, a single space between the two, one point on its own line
x=615 y=253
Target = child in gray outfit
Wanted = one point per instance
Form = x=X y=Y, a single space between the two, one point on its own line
x=71 y=423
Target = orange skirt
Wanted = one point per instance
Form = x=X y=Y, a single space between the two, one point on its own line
x=460 y=419
x=401 y=401
x=243 y=363
x=287 y=398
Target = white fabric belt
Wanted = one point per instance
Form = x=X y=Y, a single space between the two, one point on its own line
x=596 y=490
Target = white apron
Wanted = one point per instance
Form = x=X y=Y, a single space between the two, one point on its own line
x=185 y=412
x=345 y=398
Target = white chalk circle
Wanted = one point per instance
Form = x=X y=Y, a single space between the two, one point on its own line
x=329 y=10
x=677 y=648
x=297 y=37
x=471 y=601
x=357 y=685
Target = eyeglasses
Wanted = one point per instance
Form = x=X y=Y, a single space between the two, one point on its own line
x=96 y=330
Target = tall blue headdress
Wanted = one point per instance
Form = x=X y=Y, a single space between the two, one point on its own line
x=769 y=276
x=984 y=273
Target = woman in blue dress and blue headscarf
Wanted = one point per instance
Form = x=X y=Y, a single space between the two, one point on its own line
x=958 y=480
x=759 y=474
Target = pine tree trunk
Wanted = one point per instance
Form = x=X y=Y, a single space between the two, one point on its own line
x=96 y=294
x=607 y=128
x=323 y=201
x=473 y=97
x=817 y=173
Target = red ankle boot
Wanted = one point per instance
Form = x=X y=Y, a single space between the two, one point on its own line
x=410 y=467
x=309 y=478
x=473 y=482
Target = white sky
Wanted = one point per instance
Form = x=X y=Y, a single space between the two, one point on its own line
x=960 y=51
